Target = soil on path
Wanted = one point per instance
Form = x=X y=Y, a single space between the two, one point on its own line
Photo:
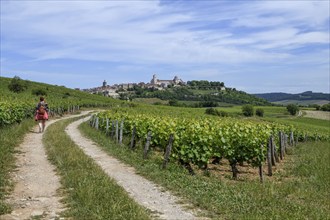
x=141 y=190
x=36 y=182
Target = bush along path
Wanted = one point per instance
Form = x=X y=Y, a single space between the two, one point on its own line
x=162 y=204
x=36 y=183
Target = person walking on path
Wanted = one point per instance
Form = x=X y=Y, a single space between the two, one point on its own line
x=41 y=114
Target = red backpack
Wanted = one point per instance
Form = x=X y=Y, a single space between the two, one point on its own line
x=41 y=110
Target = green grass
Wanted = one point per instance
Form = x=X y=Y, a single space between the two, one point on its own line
x=301 y=191
x=150 y=101
x=308 y=124
x=281 y=115
x=10 y=138
x=302 y=102
x=89 y=193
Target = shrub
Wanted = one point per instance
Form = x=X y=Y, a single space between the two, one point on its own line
x=292 y=109
x=208 y=104
x=248 y=110
x=17 y=85
x=173 y=103
x=223 y=113
x=39 y=92
x=260 y=112
x=325 y=107
x=66 y=95
x=213 y=111
x=316 y=106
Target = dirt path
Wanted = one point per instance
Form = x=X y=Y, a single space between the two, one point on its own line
x=35 y=193
x=141 y=190
x=318 y=115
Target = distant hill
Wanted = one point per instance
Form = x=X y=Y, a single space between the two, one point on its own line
x=307 y=97
x=201 y=94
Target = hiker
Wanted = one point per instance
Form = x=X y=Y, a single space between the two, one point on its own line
x=41 y=114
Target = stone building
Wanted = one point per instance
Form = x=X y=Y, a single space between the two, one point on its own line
x=164 y=83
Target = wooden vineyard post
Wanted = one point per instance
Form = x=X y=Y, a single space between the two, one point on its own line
x=269 y=159
x=146 y=146
x=272 y=153
x=274 y=150
x=297 y=139
x=168 y=151
x=91 y=121
x=133 y=138
x=121 y=132
x=117 y=133
x=285 y=142
x=97 y=123
x=112 y=129
x=107 y=126
x=291 y=139
x=261 y=174
x=281 y=144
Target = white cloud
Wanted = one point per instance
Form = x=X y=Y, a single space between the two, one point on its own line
x=136 y=31
x=177 y=34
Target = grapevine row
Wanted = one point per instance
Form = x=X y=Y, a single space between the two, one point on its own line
x=16 y=111
x=197 y=141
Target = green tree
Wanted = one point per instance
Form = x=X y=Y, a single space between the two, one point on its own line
x=260 y=112
x=325 y=107
x=17 y=85
x=247 y=110
x=292 y=109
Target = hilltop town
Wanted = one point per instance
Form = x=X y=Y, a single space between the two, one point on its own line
x=155 y=83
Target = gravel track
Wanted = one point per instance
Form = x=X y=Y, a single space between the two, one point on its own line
x=36 y=182
x=141 y=190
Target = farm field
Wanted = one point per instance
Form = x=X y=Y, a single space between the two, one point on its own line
x=304 y=103
x=298 y=187
x=214 y=188
x=318 y=115
x=164 y=110
x=290 y=193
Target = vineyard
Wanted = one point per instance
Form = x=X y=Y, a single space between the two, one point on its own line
x=199 y=140
x=14 y=107
x=161 y=142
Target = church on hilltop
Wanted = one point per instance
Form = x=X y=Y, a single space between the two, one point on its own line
x=164 y=83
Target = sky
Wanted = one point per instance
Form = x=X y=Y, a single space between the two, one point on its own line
x=253 y=46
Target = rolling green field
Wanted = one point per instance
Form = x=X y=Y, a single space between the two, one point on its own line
x=298 y=189
x=303 y=103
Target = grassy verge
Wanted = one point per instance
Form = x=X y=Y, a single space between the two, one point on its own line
x=300 y=191
x=10 y=138
x=89 y=193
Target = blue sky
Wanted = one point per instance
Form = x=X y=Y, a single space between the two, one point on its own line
x=254 y=46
